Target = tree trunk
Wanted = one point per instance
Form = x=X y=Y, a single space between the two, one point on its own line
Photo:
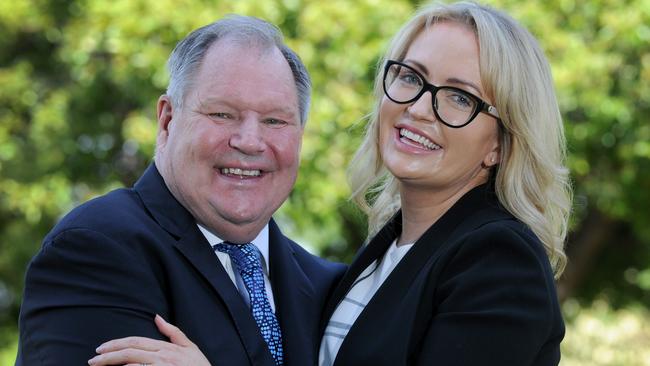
x=583 y=246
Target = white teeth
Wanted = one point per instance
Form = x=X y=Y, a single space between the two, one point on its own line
x=242 y=172
x=419 y=139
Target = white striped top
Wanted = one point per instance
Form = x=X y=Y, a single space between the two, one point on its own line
x=361 y=292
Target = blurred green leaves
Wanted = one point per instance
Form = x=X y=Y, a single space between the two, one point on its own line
x=599 y=335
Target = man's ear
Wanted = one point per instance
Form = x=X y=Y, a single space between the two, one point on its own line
x=165 y=113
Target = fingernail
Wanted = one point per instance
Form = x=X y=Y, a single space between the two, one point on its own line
x=92 y=361
x=100 y=349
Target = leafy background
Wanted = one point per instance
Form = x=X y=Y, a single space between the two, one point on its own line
x=78 y=85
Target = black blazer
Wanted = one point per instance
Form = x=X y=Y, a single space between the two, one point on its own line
x=475 y=289
x=114 y=262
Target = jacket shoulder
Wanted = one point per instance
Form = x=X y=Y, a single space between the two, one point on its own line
x=113 y=212
x=505 y=233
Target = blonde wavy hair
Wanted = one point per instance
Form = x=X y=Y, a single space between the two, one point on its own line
x=531 y=181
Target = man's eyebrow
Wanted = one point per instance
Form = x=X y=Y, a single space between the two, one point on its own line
x=285 y=110
x=208 y=101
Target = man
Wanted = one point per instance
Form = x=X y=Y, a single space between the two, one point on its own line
x=229 y=135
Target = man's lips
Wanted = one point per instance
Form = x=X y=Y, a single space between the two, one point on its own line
x=241 y=173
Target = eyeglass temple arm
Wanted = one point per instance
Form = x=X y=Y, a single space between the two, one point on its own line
x=491 y=110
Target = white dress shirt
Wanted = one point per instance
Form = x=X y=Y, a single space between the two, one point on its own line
x=262 y=243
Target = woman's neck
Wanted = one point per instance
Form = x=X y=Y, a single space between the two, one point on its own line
x=421 y=208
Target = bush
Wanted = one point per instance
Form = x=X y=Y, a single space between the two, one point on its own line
x=599 y=335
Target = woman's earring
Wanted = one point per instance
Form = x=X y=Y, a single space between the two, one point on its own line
x=492 y=161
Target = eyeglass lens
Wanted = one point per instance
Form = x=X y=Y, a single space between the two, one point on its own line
x=403 y=84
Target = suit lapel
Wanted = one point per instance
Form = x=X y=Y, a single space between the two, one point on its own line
x=294 y=297
x=196 y=249
x=192 y=245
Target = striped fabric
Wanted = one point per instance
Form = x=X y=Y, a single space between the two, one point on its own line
x=361 y=292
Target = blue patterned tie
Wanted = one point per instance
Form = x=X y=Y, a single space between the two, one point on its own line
x=246 y=258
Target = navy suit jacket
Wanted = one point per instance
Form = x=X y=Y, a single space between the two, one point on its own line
x=114 y=262
x=476 y=289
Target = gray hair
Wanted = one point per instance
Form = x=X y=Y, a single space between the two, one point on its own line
x=189 y=52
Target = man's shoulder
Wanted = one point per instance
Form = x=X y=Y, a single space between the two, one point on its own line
x=115 y=210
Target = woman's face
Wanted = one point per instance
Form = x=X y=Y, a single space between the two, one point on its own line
x=419 y=150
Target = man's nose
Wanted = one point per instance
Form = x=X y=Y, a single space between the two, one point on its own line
x=248 y=136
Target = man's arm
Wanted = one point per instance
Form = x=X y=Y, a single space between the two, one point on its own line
x=84 y=288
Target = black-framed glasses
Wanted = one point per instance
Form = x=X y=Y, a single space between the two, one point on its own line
x=452 y=106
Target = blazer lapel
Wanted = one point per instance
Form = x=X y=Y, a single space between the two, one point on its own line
x=176 y=220
x=295 y=304
x=366 y=255
x=421 y=251
x=475 y=208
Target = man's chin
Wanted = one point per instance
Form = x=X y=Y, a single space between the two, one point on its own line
x=238 y=228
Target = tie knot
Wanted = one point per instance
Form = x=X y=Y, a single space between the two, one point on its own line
x=246 y=256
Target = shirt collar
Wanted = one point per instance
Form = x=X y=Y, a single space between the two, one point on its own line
x=261 y=241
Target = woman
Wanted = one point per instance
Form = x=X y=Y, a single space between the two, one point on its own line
x=467 y=200
x=467 y=203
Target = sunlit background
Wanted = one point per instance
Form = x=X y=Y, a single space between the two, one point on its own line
x=79 y=80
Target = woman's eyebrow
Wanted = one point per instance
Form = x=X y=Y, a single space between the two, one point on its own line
x=423 y=69
x=466 y=83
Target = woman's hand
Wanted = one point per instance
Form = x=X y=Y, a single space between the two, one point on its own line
x=139 y=351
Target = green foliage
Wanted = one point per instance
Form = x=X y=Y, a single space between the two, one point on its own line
x=80 y=79
x=8 y=352
x=599 y=335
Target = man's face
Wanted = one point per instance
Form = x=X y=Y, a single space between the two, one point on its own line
x=231 y=154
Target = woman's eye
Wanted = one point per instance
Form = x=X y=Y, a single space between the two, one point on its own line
x=461 y=100
x=410 y=78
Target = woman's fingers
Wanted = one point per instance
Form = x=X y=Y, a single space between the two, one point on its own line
x=123 y=356
x=172 y=332
x=170 y=355
x=142 y=343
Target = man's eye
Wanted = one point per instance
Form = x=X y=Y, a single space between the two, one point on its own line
x=275 y=122
x=221 y=115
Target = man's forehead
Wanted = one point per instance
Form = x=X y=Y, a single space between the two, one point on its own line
x=245 y=76
x=227 y=56
x=249 y=46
